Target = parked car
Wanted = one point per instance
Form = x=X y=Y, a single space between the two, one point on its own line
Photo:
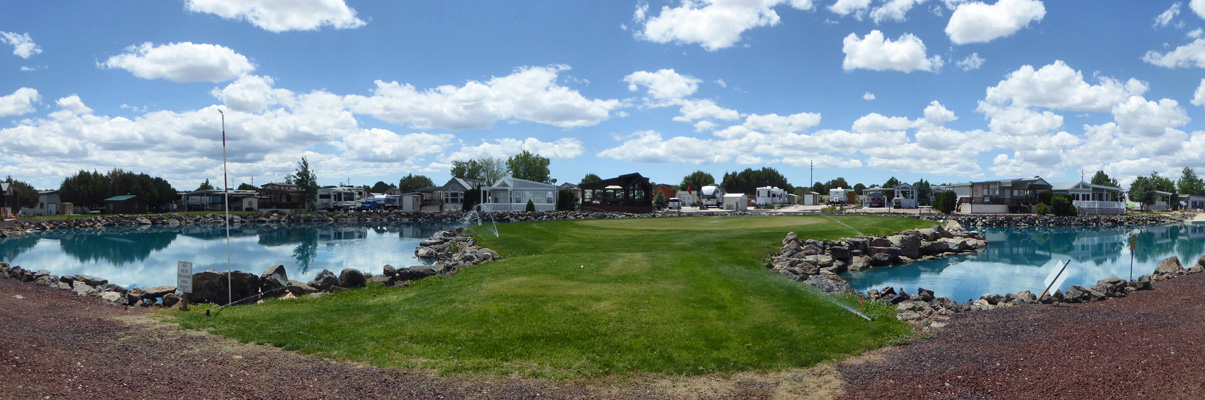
x=675 y=203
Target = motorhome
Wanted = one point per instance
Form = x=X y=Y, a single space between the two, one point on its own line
x=341 y=198
x=769 y=195
x=838 y=195
x=711 y=196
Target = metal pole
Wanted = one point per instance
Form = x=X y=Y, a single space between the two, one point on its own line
x=226 y=194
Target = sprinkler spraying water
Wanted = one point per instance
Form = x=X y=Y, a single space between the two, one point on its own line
x=813 y=290
x=475 y=213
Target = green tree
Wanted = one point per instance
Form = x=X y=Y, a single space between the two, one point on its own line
x=749 y=180
x=590 y=178
x=485 y=169
x=818 y=187
x=381 y=187
x=529 y=166
x=531 y=206
x=1142 y=192
x=839 y=182
x=307 y=180
x=891 y=183
x=1103 y=179
x=246 y=186
x=205 y=186
x=1164 y=184
x=659 y=200
x=1190 y=183
x=25 y=196
x=412 y=183
x=166 y=194
x=696 y=180
x=86 y=189
x=923 y=190
x=859 y=188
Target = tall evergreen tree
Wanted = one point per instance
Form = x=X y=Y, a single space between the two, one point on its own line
x=1190 y=183
x=1103 y=179
x=307 y=180
x=412 y=183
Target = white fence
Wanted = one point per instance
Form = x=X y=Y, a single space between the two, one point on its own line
x=1086 y=207
x=514 y=207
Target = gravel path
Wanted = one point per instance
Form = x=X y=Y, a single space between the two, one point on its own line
x=1146 y=345
x=54 y=344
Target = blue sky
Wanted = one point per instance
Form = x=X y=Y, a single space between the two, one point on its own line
x=942 y=90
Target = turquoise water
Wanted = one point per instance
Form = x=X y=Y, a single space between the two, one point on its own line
x=146 y=256
x=1018 y=259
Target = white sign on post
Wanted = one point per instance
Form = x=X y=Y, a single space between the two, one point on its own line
x=184 y=277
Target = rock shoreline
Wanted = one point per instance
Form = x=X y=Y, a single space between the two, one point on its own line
x=1051 y=220
x=447 y=251
x=21 y=227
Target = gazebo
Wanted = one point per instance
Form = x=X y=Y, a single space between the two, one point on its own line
x=625 y=193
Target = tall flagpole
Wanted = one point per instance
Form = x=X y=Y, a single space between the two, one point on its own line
x=226 y=193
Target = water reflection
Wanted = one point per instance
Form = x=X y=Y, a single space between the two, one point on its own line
x=147 y=255
x=1018 y=259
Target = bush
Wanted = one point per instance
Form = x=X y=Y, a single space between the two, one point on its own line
x=470 y=200
x=565 y=200
x=1061 y=205
x=531 y=206
x=944 y=202
x=1042 y=209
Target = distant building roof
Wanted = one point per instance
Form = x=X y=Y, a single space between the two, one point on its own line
x=1061 y=186
x=121 y=198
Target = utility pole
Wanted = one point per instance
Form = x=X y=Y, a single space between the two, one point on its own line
x=811 y=171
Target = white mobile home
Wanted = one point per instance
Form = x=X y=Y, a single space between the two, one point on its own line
x=711 y=196
x=769 y=195
x=512 y=194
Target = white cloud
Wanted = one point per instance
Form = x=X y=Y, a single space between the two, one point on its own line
x=280 y=16
x=1016 y=126
x=1166 y=17
x=381 y=145
x=937 y=114
x=1198 y=96
x=847 y=7
x=664 y=84
x=704 y=109
x=1186 y=56
x=1060 y=87
x=779 y=124
x=1141 y=117
x=721 y=83
x=1195 y=33
x=868 y=96
x=875 y=122
x=647 y=146
x=181 y=62
x=564 y=148
x=976 y=22
x=528 y=94
x=73 y=104
x=704 y=125
x=23 y=45
x=971 y=62
x=20 y=102
x=713 y=24
x=874 y=52
x=251 y=93
x=1198 y=7
x=894 y=10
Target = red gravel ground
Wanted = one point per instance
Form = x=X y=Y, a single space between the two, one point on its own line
x=1146 y=345
x=54 y=345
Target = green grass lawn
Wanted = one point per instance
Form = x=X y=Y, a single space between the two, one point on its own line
x=591 y=299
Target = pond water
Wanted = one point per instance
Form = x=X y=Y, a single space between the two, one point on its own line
x=146 y=256
x=1018 y=259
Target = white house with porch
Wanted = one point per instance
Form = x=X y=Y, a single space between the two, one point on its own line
x=512 y=194
x=1090 y=199
x=1002 y=196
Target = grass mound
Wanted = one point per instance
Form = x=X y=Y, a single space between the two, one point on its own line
x=588 y=299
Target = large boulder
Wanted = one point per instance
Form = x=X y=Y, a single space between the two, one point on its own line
x=935 y=247
x=91 y=280
x=157 y=292
x=1201 y=260
x=830 y=284
x=324 y=281
x=273 y=281
x=908 y=244
x=351 y=278
x=388 y=270
x=84 y=289
x=839 y=252
x=214 y=287
x=881 y=259
x=425 y=253
x=1076 y=294
x=859 y=263
x=114 y=297
x=415 y=273
x=1169 y=265
x=791 y=237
